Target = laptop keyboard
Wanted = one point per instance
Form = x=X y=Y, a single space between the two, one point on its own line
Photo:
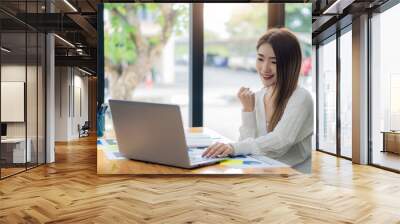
x=195 y=156
x=198 y=159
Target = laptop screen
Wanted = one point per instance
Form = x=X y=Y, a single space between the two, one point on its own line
x=3 y=129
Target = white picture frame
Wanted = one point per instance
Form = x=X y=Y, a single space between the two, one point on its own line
x=12 y=101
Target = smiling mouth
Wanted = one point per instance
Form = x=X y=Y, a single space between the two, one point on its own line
x=267 y=77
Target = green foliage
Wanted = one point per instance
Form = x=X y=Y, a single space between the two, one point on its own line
x=251 y=21
x=119 y=34
x=248 y=21
x=118 y=45
x=181 y=25
x=298 y=17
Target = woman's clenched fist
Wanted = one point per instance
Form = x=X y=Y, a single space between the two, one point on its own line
x=246 y=97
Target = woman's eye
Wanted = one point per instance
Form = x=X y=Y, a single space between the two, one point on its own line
x=273 y=62
x=259 y=59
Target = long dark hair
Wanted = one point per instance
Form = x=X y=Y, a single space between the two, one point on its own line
x=288 y=63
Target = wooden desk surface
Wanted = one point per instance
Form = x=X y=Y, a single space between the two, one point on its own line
x=14 y=140
x=127 y=166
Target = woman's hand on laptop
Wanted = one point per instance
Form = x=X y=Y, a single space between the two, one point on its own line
x=218 y=150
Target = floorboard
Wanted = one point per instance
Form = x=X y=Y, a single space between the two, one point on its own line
x=70 y=191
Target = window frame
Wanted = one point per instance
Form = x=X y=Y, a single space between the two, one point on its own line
x=379 y=10
x=333 y=37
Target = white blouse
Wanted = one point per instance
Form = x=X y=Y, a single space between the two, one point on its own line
x=290 y=141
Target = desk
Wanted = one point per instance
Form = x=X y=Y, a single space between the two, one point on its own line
x=391 y=141
x=15 y=148
x=126 y=166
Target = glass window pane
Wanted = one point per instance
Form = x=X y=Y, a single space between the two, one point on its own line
x=41 y=98
x=298 y=20
x=31 y=100
x=346 y=94
x=146 y=54
x=23 y=87
x=385 y=86
x=327 y=96
x=314 y=94
x=230 y=37
x=13 y=84
x=32 y=93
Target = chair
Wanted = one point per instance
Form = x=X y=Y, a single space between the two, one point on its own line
x=84 y=130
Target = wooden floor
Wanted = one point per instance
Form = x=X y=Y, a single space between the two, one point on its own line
x=70 y=191
x=5 y=172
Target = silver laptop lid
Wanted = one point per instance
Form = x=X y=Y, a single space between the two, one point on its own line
x=150 y=132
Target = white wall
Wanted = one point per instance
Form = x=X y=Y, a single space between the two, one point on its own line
x=12 y=73
x=81 y=83
x=70 y=84
x=61 y=103
x=33 y=126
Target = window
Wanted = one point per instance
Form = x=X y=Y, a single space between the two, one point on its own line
x=385 y=85
x=327 y=96
x=346 y=94
x=147 y=61
x=22 y=76
x=314 y=94
x=230 y=38
x=298 y=20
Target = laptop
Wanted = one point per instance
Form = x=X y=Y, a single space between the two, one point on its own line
x=153 y=132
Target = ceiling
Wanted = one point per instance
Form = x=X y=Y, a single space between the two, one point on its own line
x=331 y=15
x=74 y=22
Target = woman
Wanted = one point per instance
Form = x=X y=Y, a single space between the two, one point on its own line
x=277 y=121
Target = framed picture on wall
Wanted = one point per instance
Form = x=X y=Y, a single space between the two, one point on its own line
x=12 y=101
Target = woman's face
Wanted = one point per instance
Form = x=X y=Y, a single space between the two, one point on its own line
x=266 y=65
